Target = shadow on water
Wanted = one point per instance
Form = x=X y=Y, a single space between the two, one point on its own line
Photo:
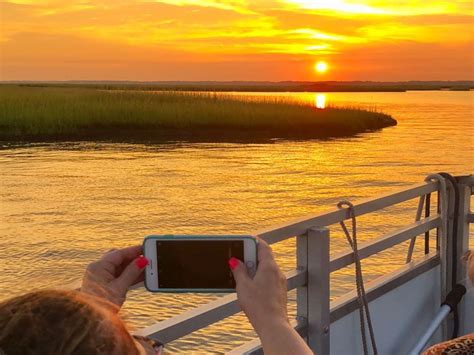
x=174 y=137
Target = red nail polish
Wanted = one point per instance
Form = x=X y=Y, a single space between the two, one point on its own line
x=141 y=262
x=233 y=262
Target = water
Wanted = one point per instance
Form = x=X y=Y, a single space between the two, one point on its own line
x=62 y=205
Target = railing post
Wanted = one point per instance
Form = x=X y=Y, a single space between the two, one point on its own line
x=465 y=191
x=313 y=299
x=450 y=192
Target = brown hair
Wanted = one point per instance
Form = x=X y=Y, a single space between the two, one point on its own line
x=62 y=322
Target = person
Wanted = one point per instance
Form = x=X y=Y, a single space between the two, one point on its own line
x=87 y=321
x=465 y=343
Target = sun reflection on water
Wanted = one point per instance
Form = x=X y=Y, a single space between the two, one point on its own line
x=320 y=101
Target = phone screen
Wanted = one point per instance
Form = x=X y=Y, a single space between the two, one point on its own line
x=197 y=263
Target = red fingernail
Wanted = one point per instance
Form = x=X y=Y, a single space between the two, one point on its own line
x=141 y=262
x=233 y=262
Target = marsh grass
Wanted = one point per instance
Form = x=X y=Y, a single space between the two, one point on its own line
x=49 y=113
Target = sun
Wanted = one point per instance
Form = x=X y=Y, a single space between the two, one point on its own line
x=321 y=67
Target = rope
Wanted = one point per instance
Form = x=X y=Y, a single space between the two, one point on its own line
x=364 y=313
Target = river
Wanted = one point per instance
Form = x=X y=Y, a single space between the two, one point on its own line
x=62 y=205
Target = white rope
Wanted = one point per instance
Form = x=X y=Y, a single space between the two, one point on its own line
x=419 y=211
x=364 y=313
x=443 y=206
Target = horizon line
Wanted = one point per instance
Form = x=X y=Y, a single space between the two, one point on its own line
x=236 y=81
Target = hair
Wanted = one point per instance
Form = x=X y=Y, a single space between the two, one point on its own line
x=62 y=322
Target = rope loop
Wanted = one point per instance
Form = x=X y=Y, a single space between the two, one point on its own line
x=364 y=314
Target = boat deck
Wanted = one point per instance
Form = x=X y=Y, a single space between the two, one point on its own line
x=402 y=303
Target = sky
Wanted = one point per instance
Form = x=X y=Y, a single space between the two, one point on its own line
x=190 y=40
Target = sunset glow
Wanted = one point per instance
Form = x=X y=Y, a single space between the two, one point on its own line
x=235 y=39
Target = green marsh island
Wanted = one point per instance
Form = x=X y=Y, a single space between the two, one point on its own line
x=49 y=113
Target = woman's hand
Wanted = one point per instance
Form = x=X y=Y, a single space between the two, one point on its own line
x=263 y=299
x=112 y=275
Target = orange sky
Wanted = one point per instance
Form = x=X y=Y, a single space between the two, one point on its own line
x=236 y=39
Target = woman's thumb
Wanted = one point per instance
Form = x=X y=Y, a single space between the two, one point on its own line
x=132 y=272
x=238 y=270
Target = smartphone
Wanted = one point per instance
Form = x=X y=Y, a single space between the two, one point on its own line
x=196 y=263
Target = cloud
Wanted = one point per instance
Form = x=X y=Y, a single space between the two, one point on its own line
x=224 y=30
x=232 y=5
x=381 y=7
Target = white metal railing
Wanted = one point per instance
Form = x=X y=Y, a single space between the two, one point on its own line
x=315 y=312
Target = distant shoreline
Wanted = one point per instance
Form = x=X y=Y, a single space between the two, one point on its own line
x=48 y=114
x=256 y=86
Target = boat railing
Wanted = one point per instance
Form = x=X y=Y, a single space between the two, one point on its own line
x=318 y=318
